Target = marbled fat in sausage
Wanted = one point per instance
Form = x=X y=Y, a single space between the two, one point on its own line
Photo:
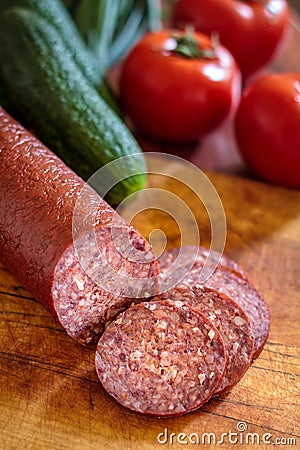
x=200 y=254
x=161 y=358
x=226 y=280
x=231 y=321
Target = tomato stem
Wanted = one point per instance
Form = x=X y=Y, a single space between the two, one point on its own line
x=188 y=47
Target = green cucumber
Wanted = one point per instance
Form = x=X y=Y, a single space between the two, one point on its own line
x=61 y=106
x=57 y=14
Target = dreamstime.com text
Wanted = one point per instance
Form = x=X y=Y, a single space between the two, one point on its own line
x=239 y=436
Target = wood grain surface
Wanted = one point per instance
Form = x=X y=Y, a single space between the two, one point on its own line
x=50 y=398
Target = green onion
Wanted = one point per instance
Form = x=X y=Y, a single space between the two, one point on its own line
x=111 y=27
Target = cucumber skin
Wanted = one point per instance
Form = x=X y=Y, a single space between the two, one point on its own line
x=62 y=107
x=4 y=100
x=56 y=13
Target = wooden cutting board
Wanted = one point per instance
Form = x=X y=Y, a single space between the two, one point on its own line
x=49 y=394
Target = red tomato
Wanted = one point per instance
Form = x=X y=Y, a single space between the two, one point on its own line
x=172 y=97
x=251 y=29
x=267 y=126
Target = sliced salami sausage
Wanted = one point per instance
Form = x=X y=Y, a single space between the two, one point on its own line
x=245 y=294
x=238 y=288
x=85 y=282
x=162 y=358
x=201 y=254
x=231 y=321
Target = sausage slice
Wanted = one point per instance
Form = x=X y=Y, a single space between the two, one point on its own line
x=231 y=321
x=200 y=254
x=162 y=358
x=229 y=282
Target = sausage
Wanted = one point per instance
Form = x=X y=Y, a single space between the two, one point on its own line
x=231 y=321
x=240 y=289
x=202 y=254
x=245 y=294
x=176 y=263
x=161 y=358
x=84 y=282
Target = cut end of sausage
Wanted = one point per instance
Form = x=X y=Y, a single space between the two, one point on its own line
x=161 y=358
x=97 y=277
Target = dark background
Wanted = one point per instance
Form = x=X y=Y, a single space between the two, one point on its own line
x=295 y=4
